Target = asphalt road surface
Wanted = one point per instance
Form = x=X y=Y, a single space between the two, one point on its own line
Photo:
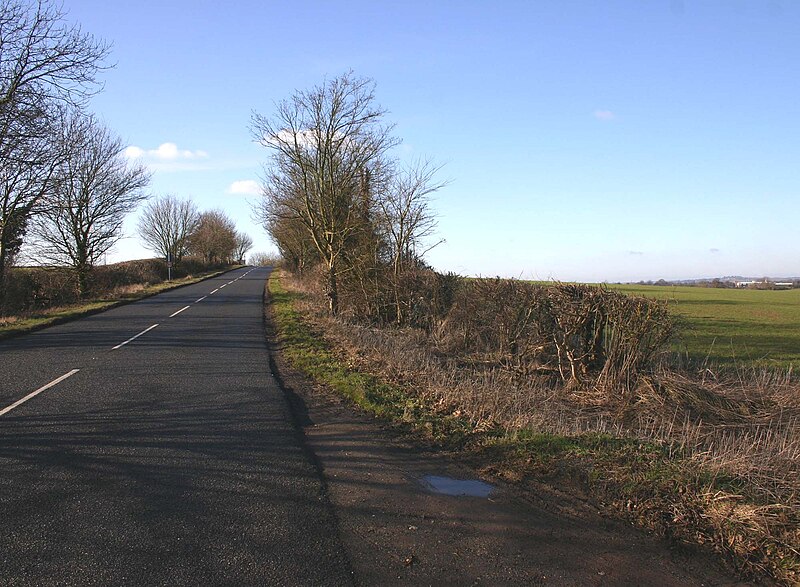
x=158 y=451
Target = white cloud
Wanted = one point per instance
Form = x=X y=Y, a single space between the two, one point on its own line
x=134 y=152
x=604 y=115
x=164 y=152
x=245 y=186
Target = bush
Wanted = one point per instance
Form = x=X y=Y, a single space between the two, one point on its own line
x=583 y=333
x=33 y=288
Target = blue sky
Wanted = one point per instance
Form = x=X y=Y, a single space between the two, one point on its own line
x=592 y=141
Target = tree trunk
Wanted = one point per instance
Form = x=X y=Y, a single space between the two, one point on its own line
x=2 y=278
x=83 y=280
x=331 y=290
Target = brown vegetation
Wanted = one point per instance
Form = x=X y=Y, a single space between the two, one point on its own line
x=32 y=289
x=567 y=361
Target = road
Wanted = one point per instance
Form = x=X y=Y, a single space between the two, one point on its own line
x=159 y=455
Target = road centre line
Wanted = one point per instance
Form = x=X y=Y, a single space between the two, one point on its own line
x=38 y=391
x=179 y=311
x=145 y=331
x=223 y=285
x=215 y=291
x=200 y=300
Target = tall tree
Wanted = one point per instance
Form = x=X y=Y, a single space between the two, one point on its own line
x=166 y=224
x=326 y=144
x=214 y=237
x=45 y=65
x=93 y=190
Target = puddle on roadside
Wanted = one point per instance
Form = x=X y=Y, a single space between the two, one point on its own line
x=456 y=487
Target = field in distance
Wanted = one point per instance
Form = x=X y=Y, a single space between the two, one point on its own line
x=742 y=326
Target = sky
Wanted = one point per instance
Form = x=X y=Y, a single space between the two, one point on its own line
x=595 y=141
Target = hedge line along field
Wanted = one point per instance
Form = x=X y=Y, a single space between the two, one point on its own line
x=733 y=326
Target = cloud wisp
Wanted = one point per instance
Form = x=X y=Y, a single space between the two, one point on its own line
x=164 y=152
x=247 y=187
x=168 y=157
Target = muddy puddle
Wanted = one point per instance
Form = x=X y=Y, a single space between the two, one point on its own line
x=456 y=487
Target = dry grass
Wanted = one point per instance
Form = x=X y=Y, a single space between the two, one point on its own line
x=730 y=478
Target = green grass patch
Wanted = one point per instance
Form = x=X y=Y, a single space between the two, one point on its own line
x=734 y=326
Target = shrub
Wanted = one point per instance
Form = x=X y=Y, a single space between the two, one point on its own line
x=585 y=334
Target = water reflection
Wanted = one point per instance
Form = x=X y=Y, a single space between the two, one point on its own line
x=457 y=487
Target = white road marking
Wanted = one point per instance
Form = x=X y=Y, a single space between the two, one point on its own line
x=223 y=285
x=179 y=311
x=38 y=391
x=145 y=331
x=200 y=300
x=215 y=291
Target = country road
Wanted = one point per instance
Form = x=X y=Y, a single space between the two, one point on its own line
x=153 y=445
x=170 y=460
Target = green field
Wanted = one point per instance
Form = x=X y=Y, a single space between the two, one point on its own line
x=743 y=326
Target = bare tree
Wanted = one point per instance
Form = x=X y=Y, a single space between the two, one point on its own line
x=405 y=214
x=93 y=190
x=45 y=64
x=243 y=244
x=406 y=222
x=263 y=259
x=327 y=145
x=165 y=225
x=42 y=58
x=214 y=237
x=293 y=241
x=25 y=174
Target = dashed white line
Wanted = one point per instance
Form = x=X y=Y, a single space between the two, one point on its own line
x=179 y=311
x=215 y=291
x=145 y=331
x=38 y=391
x=223 y=285
x=200 y=300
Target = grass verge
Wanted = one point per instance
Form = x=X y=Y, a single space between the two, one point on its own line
x=17 y=325
x=655 y=486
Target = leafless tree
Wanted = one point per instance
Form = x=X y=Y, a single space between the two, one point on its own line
x=327 y=144
x=293 y=242
x=263 y=259
x=405 y=214
x=45 y=65
x=43 y=58
x=25 y=174
x=214 y=237
x=243 y=244
x=93 y=190
x=406 y=223
x=165 y=225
